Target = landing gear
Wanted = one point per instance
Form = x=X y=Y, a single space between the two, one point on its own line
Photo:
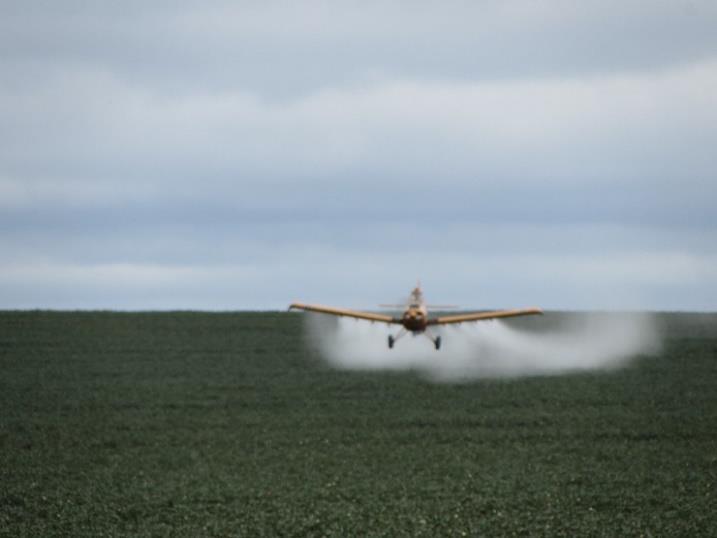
x=393 y=339
x=436 y=341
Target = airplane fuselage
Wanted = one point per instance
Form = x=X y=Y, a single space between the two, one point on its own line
x=415 y=318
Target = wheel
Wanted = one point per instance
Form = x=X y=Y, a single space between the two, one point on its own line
x=437 y=342
x=391 y=341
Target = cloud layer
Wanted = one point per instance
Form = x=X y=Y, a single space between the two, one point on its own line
x=229 y=156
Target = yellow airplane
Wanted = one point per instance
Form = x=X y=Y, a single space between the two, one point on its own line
x=415 y=317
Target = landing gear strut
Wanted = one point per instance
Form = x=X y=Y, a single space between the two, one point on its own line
x=436 y=341
x=393 y=339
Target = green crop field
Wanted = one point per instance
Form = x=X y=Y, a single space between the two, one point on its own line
x=200 y=424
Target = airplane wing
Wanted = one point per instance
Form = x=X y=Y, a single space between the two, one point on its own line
x=480 y=316
x=344 y=312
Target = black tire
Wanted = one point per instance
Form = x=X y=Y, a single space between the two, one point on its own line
x=391 y=341
x=437 y=342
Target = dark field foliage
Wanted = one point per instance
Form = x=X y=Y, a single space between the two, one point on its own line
x=199 y=424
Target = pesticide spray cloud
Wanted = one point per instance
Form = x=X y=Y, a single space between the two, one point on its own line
x=553 y=344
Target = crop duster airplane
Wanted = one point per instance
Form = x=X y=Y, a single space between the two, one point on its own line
x=415 y=318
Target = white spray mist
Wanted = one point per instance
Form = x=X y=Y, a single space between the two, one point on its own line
x=560 y=343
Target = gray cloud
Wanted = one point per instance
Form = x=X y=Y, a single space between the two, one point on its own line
x=226 y=156
x=278 y=49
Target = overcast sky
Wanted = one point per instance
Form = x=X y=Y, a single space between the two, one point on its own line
x=241 y=155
